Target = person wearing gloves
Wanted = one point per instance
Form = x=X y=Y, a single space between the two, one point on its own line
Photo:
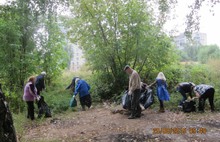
x=30 y=94
x=82 y=88
x=134 y=89
x=40 y=83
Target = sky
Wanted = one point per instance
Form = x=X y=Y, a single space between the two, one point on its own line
x=209 y=24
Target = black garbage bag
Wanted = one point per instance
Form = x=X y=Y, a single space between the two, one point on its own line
x=143 y=98
x=189 y=106
x=7 y=130
x=126 y=100
x=43 y=108
x=147 y=98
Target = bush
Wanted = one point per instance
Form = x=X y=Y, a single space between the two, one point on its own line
x=15 y=101
x=57 y=101
x=174 y=76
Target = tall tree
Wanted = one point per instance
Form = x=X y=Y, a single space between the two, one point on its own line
x=51 y=56
x=22 y=53
x=116 y=33
x=10 y=46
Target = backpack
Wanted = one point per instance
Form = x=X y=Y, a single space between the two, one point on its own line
x=189 y=106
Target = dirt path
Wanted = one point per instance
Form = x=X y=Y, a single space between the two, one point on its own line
x=101 y=125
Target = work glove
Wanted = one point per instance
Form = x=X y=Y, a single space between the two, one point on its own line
x=38 y=97
x=129 y=92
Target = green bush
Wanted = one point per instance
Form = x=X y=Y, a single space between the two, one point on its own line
x=174 y=76
x=101 y=87
x=57 y=101
x=15 y=101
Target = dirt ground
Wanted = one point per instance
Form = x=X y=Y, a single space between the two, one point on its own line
x=110 y=124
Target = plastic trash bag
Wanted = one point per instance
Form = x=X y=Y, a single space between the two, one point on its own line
x=147 y=98
x=43 y=108
x=126 y=100
x=189 y=106
x=73 y=102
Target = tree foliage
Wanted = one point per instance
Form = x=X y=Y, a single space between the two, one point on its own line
x=190 y=52
x=10 y=47
x=208 y=52
x=31 y=42
x=193 y=18
x=116 y=33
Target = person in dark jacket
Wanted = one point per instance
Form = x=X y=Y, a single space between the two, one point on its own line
x=203 y=92
x=185 y=88
x=82 y=88
x=40 y=83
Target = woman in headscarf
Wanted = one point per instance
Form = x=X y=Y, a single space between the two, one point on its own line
x=162 y=93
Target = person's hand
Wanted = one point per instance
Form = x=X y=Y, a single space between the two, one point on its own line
x=147 y=86
x=195 y=98
x=129 y=92
x=74 y=95
x=38 y=98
